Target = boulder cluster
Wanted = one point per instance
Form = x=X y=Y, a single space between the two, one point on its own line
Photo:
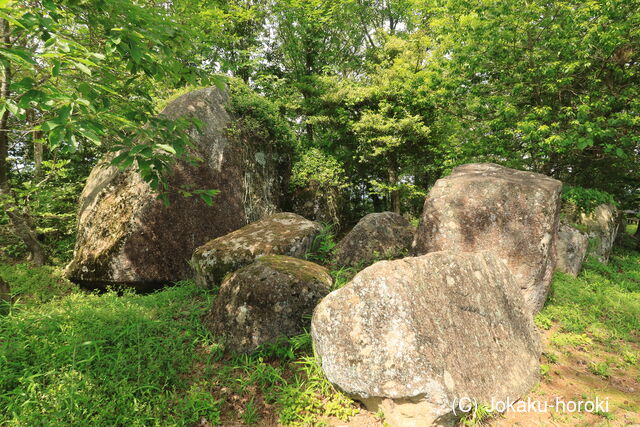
x=440 y=313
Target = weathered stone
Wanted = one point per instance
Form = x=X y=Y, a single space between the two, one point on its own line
x=376 y=236
x=602 y=228
x=127 y=236
x=513 y=213
x=280 y=234
x=322 y=204
x=571 y=249
x=267 y=300
x=412 y=336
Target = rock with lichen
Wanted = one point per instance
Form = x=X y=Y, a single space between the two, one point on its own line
x=411 y=337
x=571 y=249
x=266 y=301
x=279 y=234
x=126 y=236
x=602 y=227
x=515 y=214
x=375 y=236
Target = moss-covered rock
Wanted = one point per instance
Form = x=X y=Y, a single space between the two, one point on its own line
x=279 y=234
x=267 y=300
x=127 y=236
x=602 y=226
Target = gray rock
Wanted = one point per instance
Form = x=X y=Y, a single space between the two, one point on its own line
x=412 y=336
x=571 y=249
x=267 y=300
x=602 y=227
x=513 y=213
x=279 y=234
x=376 y=236
x=127 y=236
x=324 y=204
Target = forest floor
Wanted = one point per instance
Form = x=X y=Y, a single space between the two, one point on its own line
x=68 y=357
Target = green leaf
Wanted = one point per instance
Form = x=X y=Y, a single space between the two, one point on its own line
x=90 y=135
x=136 y=53
x=80 y=66
x=167 y=148
x=207 y=198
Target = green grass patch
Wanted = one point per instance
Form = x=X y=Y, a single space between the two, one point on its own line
x=69 y=357
x=36 y=285
x=603 y=301
x=75 y=358
x=103 y=360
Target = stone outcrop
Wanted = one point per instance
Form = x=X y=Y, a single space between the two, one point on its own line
x=376 y=236
x=571 y=249
x=513 y=213
x=412 y=336
x=126 y=236
x=267 y=300
x=602 y=228
x=279 y=234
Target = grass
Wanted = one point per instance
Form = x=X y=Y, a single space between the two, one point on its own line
x=68 y=357
x=602 y=303
x=88 y=359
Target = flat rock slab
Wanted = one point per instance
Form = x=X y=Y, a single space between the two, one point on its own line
x=413 y=335
x=267 y=300
x=515 y=214
x=376 y=236
x=279 y=234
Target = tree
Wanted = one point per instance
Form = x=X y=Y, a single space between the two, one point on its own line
x=551 y=87
x=85 y=73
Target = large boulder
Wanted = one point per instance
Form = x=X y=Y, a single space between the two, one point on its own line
x=602 y=227
x=413 y=336
x=127 y=236
x=279 y=234
x=376 y=236
x=513 y=213
x=267 y=300
x=571 y=249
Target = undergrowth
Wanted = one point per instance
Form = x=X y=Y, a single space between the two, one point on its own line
x=68 y=357
x=73 y=358
x=603 y=302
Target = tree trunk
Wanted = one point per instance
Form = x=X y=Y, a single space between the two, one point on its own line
x=393 y=182
x=20 y=221
x=22 y=227
x=38 y=147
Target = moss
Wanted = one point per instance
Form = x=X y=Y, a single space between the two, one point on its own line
x=301 y=269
